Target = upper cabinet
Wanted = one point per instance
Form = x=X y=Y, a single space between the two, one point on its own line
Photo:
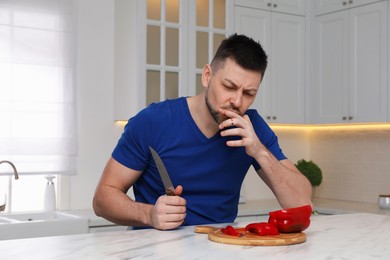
x=388 y=62
x=208 y=26
x=282 y=6
x=282 y=35
x=328 y=6
x=161 y=47
x=350 y=65
x=161 y=66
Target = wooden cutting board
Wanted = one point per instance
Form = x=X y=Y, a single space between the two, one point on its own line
x=249 y=239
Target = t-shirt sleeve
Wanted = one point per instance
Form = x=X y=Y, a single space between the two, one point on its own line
x=132 y=147
x=266 y=136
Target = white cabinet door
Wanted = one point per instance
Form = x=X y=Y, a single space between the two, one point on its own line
x=251 y=219
x=290 y=6
x=281 y=96
x=287 y=60
x=110 y=228
x=350 y=60
x=256 y=24
x=368 y=63
x=284 y=6
x=388 y=64
x=327 y=6
x=260 y=4
x=330 y=92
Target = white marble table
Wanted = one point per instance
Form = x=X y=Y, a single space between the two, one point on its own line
x=346 y=236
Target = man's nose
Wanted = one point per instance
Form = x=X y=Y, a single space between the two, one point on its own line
x=236 y=100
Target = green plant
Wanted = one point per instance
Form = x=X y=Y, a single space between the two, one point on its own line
x=311 y=170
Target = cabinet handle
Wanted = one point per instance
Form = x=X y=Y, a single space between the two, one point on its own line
x=269 y=4
x=271 y=117
x=344 y=3
x=350 y=117
x=350 y=2
x=344 y=118
x=275 y=5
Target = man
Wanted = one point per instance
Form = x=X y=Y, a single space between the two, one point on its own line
x=207 y=143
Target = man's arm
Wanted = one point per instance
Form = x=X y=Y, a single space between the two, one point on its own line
x=291 y=188
x=111 y=202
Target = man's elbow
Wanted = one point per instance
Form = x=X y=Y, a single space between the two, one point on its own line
x=97 y=205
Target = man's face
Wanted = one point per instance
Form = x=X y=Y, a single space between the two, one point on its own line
x=230 y=87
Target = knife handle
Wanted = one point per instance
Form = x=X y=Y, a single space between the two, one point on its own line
x=170 y=192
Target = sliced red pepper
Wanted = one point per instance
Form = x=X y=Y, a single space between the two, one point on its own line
x=229 y=230
x=292 y=219
x=262 y=229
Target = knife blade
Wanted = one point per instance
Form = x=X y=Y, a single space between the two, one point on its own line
x=169 y=189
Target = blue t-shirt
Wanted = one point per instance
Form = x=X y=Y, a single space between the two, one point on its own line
x=210 y=172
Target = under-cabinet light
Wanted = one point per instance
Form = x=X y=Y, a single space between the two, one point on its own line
x=341 y=127
x=121 y=123
x=333 y=127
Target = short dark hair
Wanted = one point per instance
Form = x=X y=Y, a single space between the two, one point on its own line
x=245 y=51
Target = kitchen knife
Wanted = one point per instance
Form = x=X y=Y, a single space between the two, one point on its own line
x=169 y=189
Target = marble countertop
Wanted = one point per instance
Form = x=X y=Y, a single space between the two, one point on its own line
x=345 y=236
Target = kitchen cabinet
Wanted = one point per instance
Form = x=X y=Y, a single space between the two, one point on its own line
x=253 y=218
x=388 y=62
x=150 y=47
x=283 y=6
x=98 y=229
x=161 y=47
x=282 y=35
x=209 y=22
x=350 y=65
x=328 y=6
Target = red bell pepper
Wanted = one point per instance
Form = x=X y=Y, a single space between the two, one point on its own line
x=262 y=229
x=291 y=220
x=229 y=230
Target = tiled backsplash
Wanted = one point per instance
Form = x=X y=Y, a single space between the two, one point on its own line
x=355 y=163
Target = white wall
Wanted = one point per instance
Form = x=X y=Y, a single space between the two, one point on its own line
x=96 y=129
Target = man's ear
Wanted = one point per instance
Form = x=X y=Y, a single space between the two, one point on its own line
x=206 y=75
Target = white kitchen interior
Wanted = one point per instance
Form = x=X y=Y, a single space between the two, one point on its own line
x=354 y=158
x=96 y=79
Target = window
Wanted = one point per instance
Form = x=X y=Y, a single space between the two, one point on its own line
x=37 y=101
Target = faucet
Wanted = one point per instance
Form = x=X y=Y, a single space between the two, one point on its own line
x=2 y=207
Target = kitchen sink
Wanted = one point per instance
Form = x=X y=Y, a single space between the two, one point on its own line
x=39 y=224
x=5 y=220
x=40 y=216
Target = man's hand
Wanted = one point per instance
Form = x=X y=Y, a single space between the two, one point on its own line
x=169 y=212
x=244 y=129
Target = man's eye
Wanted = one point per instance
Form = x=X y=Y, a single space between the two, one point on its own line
x=249 y=94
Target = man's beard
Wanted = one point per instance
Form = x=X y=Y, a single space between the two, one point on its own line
x=218 y=117
x=213 y=112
